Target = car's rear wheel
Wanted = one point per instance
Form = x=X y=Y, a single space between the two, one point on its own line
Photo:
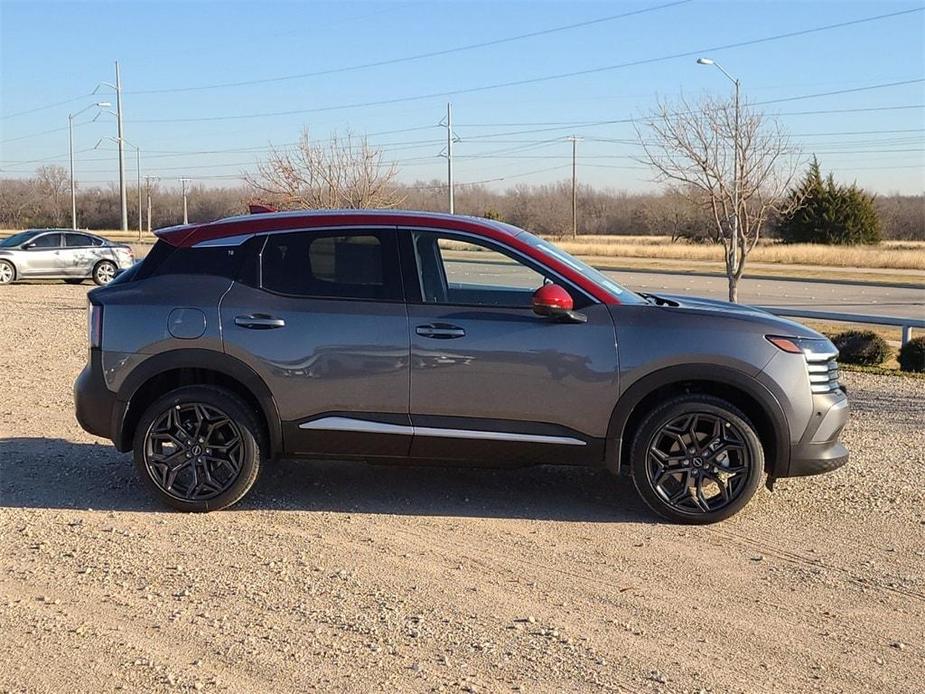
x=696 y=459
x=7 y=272
x=103 y=272
x=198 y=448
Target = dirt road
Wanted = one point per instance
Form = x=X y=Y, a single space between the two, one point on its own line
x=334 y=577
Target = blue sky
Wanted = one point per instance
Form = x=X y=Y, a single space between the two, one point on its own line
x=58 y=52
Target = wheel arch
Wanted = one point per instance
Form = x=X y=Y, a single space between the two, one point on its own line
x=743 y=391
x=164 y=372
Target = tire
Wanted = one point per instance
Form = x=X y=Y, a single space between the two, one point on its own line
x=185 y=473
x=103 y=272
x=696 y=459
x=7 y=272
x=74 y=280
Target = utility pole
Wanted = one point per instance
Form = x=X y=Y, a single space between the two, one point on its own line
x=70 y=144
x=138 y=184
x=183 y=182
x=575 y=140
x=449 y=154
x=148 y=180
x=121 y=136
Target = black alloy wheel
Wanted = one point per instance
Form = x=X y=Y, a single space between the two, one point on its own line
x=198 y=448
x=697 y=459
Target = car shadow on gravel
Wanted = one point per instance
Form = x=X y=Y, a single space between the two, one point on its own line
x=55 y=473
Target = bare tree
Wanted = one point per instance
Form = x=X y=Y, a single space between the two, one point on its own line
x=343 y=172
x=716 y=154
x=53 y=184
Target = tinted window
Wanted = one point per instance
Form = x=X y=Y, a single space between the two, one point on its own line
x=219 y=260
x=78 y=240
x=355 y=265
x=47 y=241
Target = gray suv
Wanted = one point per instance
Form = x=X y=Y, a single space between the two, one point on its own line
x=438 y=339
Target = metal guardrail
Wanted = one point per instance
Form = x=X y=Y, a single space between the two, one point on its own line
x=907 y=324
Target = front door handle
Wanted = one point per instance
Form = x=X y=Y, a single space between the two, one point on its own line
x=440 y=331
x=259 y=321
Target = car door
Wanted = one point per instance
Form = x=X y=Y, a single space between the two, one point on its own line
x=324 y=324
x=42 y=257
x=489 y=377
x=79 y=255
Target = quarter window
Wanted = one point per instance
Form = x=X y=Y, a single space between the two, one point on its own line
x=355 y=265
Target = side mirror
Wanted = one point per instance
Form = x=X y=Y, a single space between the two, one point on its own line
x=28 y=246
x=553 y=301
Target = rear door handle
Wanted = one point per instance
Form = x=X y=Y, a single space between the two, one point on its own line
x=259 y=322
x=440 y=331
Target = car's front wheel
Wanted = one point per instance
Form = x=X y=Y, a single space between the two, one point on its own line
x=198 y=448
x=103 y=272
x=697 y=459
x=7 y=272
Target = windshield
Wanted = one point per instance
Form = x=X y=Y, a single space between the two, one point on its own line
x=622 y=293
x=17 y=239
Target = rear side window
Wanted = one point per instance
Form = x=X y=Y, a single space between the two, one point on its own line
x=354 y=265
x=79 y=241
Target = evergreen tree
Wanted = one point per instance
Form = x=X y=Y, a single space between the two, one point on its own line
x=822 y=211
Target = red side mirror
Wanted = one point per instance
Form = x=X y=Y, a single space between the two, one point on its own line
x=551 y=300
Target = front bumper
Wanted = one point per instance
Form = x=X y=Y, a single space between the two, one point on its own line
x=820 y=450
x=96 y=407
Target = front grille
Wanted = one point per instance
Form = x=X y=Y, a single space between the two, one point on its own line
x=823 y=373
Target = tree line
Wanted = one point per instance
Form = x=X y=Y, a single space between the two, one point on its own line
x=43 y=200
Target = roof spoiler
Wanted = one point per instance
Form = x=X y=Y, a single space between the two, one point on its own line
x=257 y=208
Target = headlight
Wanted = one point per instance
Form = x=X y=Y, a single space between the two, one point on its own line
x=820 y=356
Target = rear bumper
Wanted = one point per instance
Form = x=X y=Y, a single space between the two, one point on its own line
x=96 y=407
x=820 y=450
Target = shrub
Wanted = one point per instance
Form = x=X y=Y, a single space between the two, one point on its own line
x=822 y=211
x=863 y=347
x=912 y=355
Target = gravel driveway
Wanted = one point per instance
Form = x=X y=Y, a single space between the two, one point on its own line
x=346 y=577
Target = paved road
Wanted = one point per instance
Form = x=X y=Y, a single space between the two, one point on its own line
x=811 y=295
x=814 y=296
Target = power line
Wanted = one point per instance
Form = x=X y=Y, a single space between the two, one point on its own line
x=545 y=78
x=839 y=91
x=419 y=56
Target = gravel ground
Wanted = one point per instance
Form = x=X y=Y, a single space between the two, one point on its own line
x=346 y=577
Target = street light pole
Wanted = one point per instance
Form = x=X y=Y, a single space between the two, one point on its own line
x=734 y=250
x=121 y=135
x=70 y=143
x=137 y=171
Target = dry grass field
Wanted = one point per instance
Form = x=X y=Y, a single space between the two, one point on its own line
x=897 y=255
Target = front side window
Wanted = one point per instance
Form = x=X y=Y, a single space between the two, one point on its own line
x=461 y=271
x=355 y=265
x=47 y=241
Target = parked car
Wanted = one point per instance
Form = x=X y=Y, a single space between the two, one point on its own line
x=62 y=254
x=438 y=339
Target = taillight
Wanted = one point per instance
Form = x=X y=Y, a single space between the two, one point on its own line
x=95 y=325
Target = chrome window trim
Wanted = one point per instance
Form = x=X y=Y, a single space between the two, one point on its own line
x=225 y=241
x=368 y=427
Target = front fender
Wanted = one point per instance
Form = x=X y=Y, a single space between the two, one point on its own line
x=702 y=373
